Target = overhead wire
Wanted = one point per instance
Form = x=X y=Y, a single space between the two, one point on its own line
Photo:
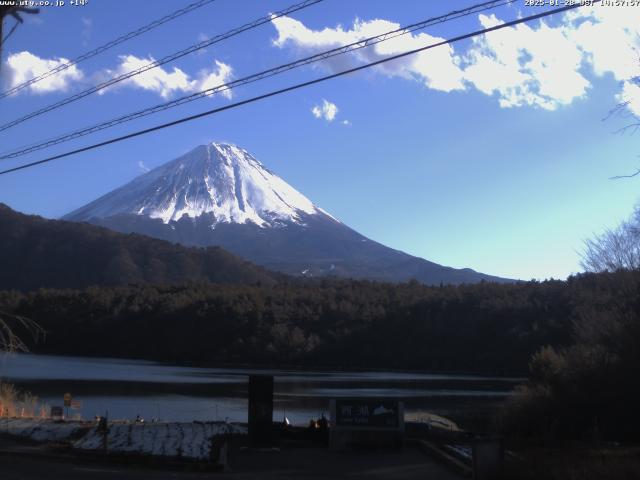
x=13 y=29
x=157 y=63
x=366 y=42
x=296 y=86
x=103 y=48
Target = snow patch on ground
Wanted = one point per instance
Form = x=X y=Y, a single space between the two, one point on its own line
x=186 y=440
x=195 y=440
x=41 y=430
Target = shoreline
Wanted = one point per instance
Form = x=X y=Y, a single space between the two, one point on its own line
x=285 y=368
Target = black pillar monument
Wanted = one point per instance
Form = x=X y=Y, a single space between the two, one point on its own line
x=261 y=411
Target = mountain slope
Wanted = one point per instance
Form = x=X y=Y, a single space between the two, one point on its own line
x=218 y=194
x=219 y=179
x=35 y=253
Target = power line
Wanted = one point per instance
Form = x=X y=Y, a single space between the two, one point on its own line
x=258 y=76
x=108 y=45
x=13 y=29
x=16 y=12
x=294 y=87
x=162 y=61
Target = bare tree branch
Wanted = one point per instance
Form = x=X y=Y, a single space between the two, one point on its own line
x=615 y=249
x=623 y=109
x=10 y=341
x=635 y=174
x=633 y=127
x=619 y=109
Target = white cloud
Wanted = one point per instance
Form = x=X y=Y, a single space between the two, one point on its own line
x=143 y=167
x=156 y=80
x=168 y=82
x=631 y=96
x=545 y=64
x=526 y=66
x=326 y=110
x=212 y=78
x=609 y=38
x=24 y=66
x=437 y=69
x=346 y=123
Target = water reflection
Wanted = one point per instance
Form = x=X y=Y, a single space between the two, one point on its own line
x=126 y=388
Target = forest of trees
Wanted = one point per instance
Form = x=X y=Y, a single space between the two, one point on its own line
x=577 y=339
x=589 y=388
x=335 y=323
x=35 y=253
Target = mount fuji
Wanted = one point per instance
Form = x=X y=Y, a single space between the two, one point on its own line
x=219 y=194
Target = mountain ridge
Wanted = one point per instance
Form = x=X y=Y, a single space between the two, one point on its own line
x=219 y=194
x=40 y=253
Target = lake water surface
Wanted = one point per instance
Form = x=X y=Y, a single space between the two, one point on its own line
x=126 y=388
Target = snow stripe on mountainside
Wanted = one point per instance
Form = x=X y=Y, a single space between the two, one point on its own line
x=220 y=179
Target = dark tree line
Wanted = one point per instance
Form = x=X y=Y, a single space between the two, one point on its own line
x=334 y=323
x=588 y=388
x=35 y=253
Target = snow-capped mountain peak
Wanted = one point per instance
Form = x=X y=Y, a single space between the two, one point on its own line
x=220 y=179
x=220 y=195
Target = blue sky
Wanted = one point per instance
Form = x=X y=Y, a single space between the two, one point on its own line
x=490 y=154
